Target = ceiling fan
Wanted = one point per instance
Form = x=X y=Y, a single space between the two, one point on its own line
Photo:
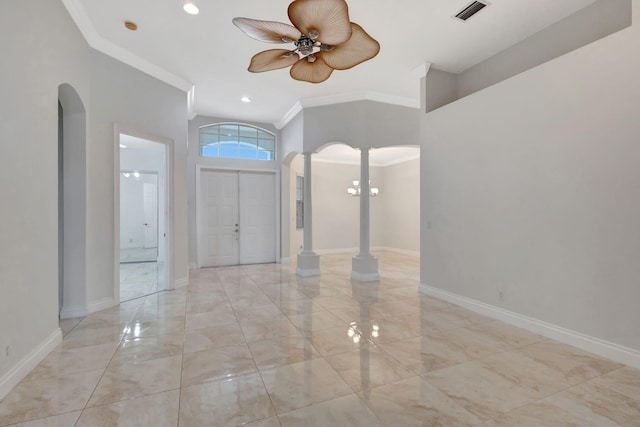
x=324 y=39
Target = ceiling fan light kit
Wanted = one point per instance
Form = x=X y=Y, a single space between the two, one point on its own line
x=324 y=38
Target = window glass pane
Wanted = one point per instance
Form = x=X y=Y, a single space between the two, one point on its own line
x=229 y=149
x=265 y=155
x=265 y=135
x=266 y=144
x=209 y=150
x=247 y=143
x=229 y=130
x=232 y=140
x=248 y=132
x=299 y=214
x=247 y=154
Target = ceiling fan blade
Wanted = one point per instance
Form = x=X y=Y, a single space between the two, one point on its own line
x=312 y=72
x=267 y=31
x=272 y=59
x=329 y=18
x=359 y=48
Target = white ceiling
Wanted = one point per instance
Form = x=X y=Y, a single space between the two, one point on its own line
x=208 y=52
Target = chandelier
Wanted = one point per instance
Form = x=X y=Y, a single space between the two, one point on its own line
x=355 y=190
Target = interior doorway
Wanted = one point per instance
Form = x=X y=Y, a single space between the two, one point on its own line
x=236 y=217
x=144 y=210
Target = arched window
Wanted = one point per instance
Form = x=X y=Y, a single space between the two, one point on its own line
x=237 y=141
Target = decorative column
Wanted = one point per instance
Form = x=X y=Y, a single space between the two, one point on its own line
x=364 y=266
x=308 y=261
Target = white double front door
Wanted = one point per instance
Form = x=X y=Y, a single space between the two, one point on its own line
x=236 y=218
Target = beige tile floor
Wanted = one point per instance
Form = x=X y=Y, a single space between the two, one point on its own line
x=256 y=346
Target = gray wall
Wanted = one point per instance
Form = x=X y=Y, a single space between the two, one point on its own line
x=38 y=57
x=537 y=194
x=400 y=194
x=360 y=124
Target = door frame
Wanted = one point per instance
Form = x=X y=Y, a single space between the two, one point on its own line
x=169 y=208
x=200 y=167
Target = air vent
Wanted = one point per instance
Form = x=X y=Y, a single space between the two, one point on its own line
x=470 y=10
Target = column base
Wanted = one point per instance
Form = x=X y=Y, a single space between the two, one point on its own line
x=308 y=264
x=364 y=268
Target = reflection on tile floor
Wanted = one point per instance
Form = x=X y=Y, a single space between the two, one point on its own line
x=258 y=347
x=138 y=279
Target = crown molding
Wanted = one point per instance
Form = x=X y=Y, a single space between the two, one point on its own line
x=289 y=115
x=97 y=42
x=343 y=98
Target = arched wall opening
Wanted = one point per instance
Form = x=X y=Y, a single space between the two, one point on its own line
x=395 y=211
x=72 y=202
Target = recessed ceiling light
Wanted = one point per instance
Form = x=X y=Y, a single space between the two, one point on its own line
x=191 y=8
x=245 y=99
x=123 y=146
x=130 y=25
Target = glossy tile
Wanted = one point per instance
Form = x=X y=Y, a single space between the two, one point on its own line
x=65 y=420
x=427 y=353
x=159 y=409
x=301 y=384
x=136 y=350
x=368 y=367
x=479 y=390
x=625 y=380
x=210 y=338
x=282 y=351
x=216 y=364
x=129 y=381
x=44 y=398
x=344 y=411
x=415 y=403
x=81 y=359
x=225 y=403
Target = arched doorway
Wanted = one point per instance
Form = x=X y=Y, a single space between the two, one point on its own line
x=72 y=138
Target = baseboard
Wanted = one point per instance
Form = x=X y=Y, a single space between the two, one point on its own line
x=16 y=374
x=193 y=266
x=181 y=283
x=69 y=312
x=337 y=251
x=397 y=251
x=609 y=350
x=101 y=304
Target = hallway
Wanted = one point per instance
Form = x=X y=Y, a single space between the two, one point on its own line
x=255 y=344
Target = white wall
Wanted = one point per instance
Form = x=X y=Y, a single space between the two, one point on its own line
x=537 y=194
x=401 y=206
x=127 y=97
x=37 y=59
x=132 y=213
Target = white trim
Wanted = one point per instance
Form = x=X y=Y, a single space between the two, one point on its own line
x=341 y=99
x=16 y=374
x=307 y=272
x=289 y=115
x=73 y=311
x=213 y=168
x=336 y=251
x=180 y=283
x=193 y=266
x=365 y=277
x=397 y=251
x=616 y=352
x=169 y=203
x=372 y=164
x=191 y=103
x=96 y=41
x=101 y=304
x=421 y=70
